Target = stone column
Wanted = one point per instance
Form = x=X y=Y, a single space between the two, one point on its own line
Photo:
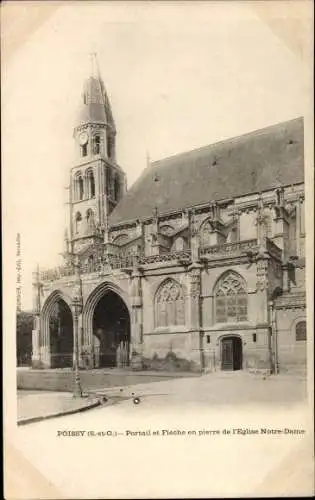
x=274 y=337
x=263 y=349
x=136 y=326
x=36 y=343
x=77 y=317
x=45 y=359
x=193 y=315
x=36 y=358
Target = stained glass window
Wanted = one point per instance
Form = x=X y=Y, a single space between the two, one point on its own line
x=170 y=305
x=230 y=299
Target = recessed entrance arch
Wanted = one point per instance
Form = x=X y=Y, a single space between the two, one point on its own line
x=231 y=353
x=61 y=335
x=111 y=331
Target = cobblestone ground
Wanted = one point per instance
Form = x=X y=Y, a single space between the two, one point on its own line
x=32 y=404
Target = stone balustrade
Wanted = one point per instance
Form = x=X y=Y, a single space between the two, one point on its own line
x=112 y=262
x=183 y=256
x=56 y=273
x=227 y=249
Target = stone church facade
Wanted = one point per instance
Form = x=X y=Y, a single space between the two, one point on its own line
x=199 y=266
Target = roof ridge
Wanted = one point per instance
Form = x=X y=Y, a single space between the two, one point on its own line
x=232 y=139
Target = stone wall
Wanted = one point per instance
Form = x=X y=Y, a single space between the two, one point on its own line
x=291 y=353
x=54 y=380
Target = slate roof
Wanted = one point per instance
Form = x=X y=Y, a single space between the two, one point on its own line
x=96 y=107
x=251 y=163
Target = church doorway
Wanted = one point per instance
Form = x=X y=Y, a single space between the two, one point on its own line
x=61 y=335
x=111 y=328
x=231 y=353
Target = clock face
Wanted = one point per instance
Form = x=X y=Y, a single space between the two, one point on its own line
x=83 y=138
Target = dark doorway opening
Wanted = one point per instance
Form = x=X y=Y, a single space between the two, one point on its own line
x=61 y=335
x=111 y=326
x=231 y=353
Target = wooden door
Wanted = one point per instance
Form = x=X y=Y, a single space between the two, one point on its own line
x=227 y=354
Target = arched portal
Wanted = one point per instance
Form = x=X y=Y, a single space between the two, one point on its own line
x=231 y=353
x=61 y=335
x=111 y=329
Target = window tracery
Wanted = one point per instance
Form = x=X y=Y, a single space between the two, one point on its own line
x=170 y=305
x=230 y=299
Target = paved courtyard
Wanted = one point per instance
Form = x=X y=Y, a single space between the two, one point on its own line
x=212 y=390
x=233 y=388
x=34 y=404
x=111 y=450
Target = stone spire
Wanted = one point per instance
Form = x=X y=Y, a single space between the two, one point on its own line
x=95 y=106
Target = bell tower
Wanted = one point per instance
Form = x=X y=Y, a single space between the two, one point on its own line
x=97 y=183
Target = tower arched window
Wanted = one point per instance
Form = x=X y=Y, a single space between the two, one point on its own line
x=109 y=146
x=108 y=181
x=116 y=187
x=80 y=188
x=96 y=145
x=300 y=331
x=230 y=299
x=78 y=220
x=91 y=183
x=169 y=304
x=84 y=149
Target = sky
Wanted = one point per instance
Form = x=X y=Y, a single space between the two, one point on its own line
x=178 y=75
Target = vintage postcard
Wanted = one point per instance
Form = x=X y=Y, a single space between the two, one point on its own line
x=158 y=249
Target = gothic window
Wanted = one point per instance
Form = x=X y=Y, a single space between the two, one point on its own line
x=80 y=188
x=84 y=98
x=230 y=299
x=300 y=331
x=97 y=145
x=170 y=305
x=78 y=220
x=91 y=184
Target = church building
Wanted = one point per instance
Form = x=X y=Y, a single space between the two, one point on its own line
x=199 y=266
